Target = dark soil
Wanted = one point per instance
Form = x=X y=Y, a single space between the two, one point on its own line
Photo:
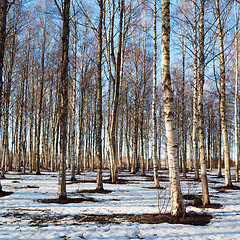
x=190 y=179
x=103 y=191
x=196 y=197
x=218 y=176
x=189 y=219
x=14 y=181
x=28 y=186
x=4 y=194
x=191 y=196
x=215 y=182
x=81 y=181
x=163 y=188
x=119 y=181
x=69 y=200
x=214 y=206
x=161 y=178
x=227 y=188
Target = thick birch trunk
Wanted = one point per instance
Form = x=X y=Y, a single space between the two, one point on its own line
x=177 y=206
x=115 y=103
x=62 y=193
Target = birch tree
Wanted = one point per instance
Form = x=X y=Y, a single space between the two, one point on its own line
x=205 y=191
x=3 y=23
x=11 y=51
x=195 y=78
x=236 y=8
x=99 y=99
x=154 y=124
x=116 y=58
x=62 y=193
x=40 y=110
x=177 y=206
x=228 y=181
x=73 y=97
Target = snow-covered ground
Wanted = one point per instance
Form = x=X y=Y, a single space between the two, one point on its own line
x=18 y=211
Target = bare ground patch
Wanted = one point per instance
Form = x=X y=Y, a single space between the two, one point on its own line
x=27 y=187
x=69 y=200
x=163 y=188
x=102 y=191
x=4 y=194
x=227 y=187
x=191 y=196
x=197 y=202
x=189 y=219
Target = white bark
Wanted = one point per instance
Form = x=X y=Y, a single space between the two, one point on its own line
x=154 y=120
x=194 y=129
x=236 y=7
x=177 y=207
x=222 y=98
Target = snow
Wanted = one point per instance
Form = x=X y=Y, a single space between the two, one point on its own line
x=18 y=211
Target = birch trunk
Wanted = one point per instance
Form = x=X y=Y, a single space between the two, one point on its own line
x=80 y=134
x=219 y=128
x=141 y=132
x=219 y=147
x=31 y=152
x=62 y=193
x=154 y=120
x=127 y=134
x=177 y=206
x=205 y=191
x=135 y=125
x=121 y=142
x=24 y=144
x=117 y=63
x=54 y=130
x=190 y=163
x=147 y=144
x=6 y=96
x=99 y=100
x=160 y=138
x=182 y=125
x=40 y=102
x=236 y=7
x=228 y=181
x=20 y=136
x=73 y=99
x=195 y=62
x=3 y=17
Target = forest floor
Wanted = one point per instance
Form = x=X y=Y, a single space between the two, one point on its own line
x=132 y=209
